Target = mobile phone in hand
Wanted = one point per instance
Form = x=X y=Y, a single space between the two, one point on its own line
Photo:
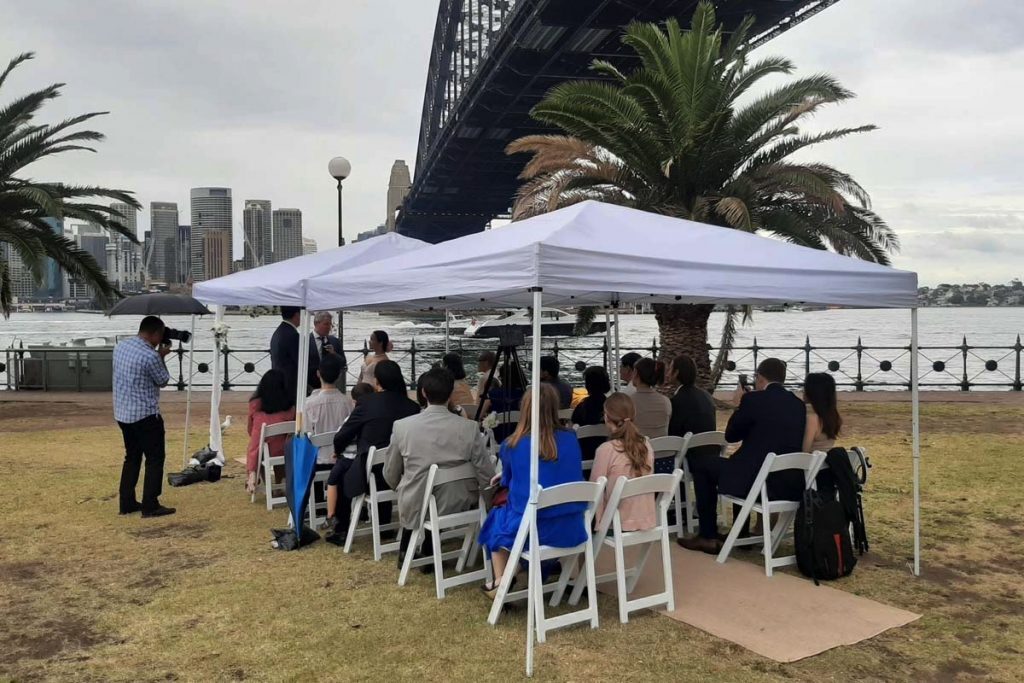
x=745 y=382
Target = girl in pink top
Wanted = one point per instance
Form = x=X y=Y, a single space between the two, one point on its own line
x=627 y=453
x=271 y=403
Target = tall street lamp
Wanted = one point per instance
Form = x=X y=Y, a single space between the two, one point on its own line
x=340 y=168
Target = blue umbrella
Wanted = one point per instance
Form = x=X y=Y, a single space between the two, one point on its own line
x=299 y=465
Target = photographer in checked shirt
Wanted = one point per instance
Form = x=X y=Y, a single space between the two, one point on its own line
x=139 y=372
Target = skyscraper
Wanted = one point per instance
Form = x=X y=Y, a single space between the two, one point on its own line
x=211 y=213
x=308 y=246
x=23 y=285
x=52 y=286
x=124 y=261
x=216 y=253
x=287 y=234
x=184 y=252
x=93 y=239
x=163 y=258
x=398 y=187
x=257 y=230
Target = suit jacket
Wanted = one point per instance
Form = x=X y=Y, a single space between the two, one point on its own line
x=769 y=421
x=332 y=341
x=284 y=356
x=370 y=425
x=435 y=437
x=693 y=410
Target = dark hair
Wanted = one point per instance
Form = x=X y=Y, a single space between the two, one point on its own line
x=820 y=392
x=437 y=385
x=151 y=324
x=629 y=360
x=360 y=390
x=650 y=372
x=772 y=369
x=550 y=365
x=512 y=377
x=685 y=370
x=389 y=376
x=274 y=393
x=487 y=357
x=288 y=312
x=330 y=368
x=595 y=379
x=452 y=362
x=382 y=338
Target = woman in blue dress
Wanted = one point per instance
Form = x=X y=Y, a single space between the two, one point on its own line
x=561 y=526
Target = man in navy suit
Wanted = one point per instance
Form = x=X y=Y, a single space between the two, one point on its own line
x=768 y=420
x=284 y=349
x=322 y=342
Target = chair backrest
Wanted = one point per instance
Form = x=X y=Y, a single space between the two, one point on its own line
x=576 y=492
x=278 y=429
x=508 y=417
x=468 y=410
x=667 y=446
x=705 y=439
x=321 y=440
x=565 y=414
x=592 y=432
x=376 y=456
x=810 y=463
x=663 y=486
x=439 y=476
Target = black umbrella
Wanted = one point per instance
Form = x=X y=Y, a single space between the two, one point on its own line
x=159 y=304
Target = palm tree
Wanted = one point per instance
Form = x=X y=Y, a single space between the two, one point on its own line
x=25 y=204
x=683 y=135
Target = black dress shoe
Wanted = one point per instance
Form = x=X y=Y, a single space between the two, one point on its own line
x=130 y=509
x=711 y=546
x=159 y=511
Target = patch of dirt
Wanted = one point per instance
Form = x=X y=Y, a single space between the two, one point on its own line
x=26 y=639
x=186 y=530
x=958 y=670
x=23 y=416
x=944 y=576
x=1009 y=523
x=22 y=572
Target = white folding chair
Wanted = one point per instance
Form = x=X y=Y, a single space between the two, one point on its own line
x=465 y=524
x=267 y=464
x=663 y=487
x=686 y=498
x=320 y=479
x=591 y=432
x=577 y=492
x=565 y=414
x=371 y=500
x=757 y=501
x=468 y=410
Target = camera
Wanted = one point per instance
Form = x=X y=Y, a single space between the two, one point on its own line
x=171 y=334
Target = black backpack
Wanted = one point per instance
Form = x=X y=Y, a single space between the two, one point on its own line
x=824 y=549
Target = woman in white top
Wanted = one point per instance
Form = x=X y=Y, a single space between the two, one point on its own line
x=823 y=419
x=380 y=345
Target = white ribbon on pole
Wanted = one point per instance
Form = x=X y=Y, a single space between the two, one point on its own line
x=216 y=443
x=915 y=412
x=188 y=395
x=531 y=508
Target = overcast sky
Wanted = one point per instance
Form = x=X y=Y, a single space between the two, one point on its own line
x=259 y=95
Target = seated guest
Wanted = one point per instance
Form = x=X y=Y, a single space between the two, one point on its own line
x=361 y=390
x=823 y=419
x=549 y=368
x=693 y=411
x=769 y=419
x=653 y=410
x=434 y=437
x=590 y=411
x=484 y=363
x=462 y=395
x=369 y=425
x=560 y=526
x=506 y=397
x=628 y=454
x=271 y=403
x=380 y=345
x=626 y=372
x=326 y=410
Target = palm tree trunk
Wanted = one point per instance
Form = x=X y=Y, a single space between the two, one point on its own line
x=684 y=330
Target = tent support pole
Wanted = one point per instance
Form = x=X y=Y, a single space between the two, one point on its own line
x=302 y=381
x=608 y=364
x=344 y=361
x=216 y=443
x=538 y=303
x=447 y=331
x=188 y=396
x=618 y=352
x=915 y=410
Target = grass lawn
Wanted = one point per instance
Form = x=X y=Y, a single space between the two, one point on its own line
x=88 y=595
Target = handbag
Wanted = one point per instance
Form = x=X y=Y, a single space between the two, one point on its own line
x=500 y=497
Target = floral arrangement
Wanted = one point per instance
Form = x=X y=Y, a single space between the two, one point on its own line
x=220 y=333
x=491 y=421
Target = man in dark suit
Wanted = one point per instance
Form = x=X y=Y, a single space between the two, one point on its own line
x=284 y=349
x=369 y=425
x=768 y=420
x=322 y=342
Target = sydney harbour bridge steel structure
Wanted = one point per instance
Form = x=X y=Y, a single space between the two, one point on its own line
x=493 y=60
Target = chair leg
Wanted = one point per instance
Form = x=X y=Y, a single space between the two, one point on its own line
x=510 y=571
x=353 y=523
x=620 y=580
x=563 y=581
x=268 y=475
x=734 y=532
x=666 y=568
x=537 y=589
x=639 y=568
x=435 y=538
x=410 y=553
x=465 y=553
x=591 y=572
x=766 y=530
x=375 y=527
x=782 y=525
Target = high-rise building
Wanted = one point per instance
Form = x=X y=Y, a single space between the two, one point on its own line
x=52 y=286
x=124 y=259
x=94 y=240
x=367 y=234
x=216 y=253
x=211 y=213
x=23 y=285
x=287 y=234
x=184 y=251
x=257 y=233
x=308 y=246
x=163 y=258
x=398 y=187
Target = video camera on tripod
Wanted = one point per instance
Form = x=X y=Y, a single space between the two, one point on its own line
x=510 y=338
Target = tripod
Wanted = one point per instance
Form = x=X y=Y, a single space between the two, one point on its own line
x=509 y=339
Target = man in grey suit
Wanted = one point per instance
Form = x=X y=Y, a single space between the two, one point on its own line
x=435 y=436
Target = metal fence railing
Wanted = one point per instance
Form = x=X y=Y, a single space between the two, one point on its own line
x=859 y=367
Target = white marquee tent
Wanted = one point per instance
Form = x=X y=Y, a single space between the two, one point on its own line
x=283 y=284
x=599 y=254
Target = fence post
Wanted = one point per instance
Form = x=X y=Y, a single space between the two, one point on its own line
x=755 y=348
x=412 y=353
x=1016 y=377
x=227 y=377
x=807 y=355
x=859 y=386
x=604 y=354
x=555 y=351
x=965 y=385
x=654 y=348
x=181 y=370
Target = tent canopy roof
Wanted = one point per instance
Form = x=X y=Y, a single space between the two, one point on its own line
x=593 y=253
x=280 y=284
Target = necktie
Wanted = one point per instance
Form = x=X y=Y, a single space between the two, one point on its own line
x=323 y=345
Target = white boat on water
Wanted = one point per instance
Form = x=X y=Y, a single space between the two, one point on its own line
x=410 y=326
x=554 y=323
